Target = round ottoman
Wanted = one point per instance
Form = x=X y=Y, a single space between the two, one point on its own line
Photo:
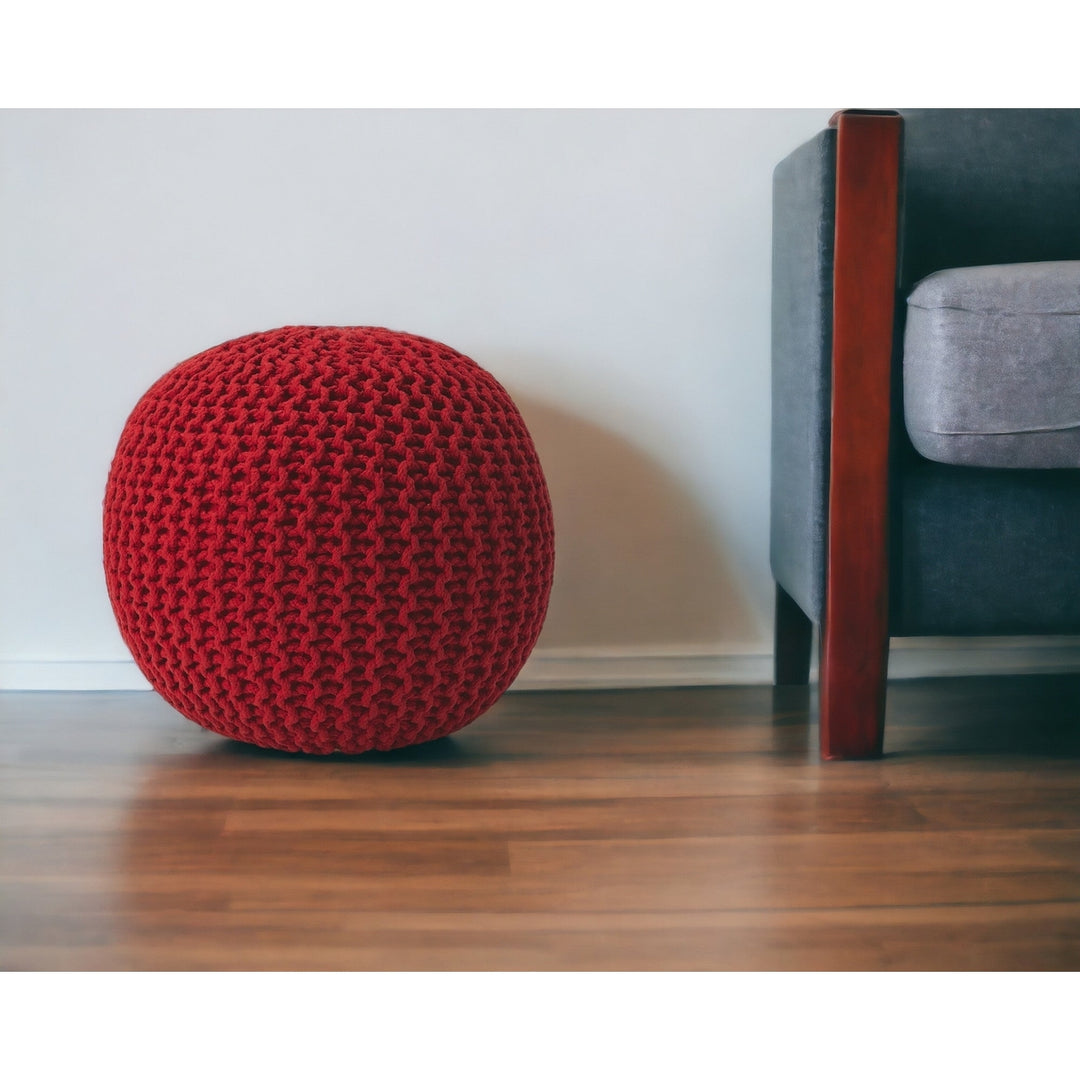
x=328 y=539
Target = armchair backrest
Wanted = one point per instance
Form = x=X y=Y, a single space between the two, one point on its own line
x=982 y=186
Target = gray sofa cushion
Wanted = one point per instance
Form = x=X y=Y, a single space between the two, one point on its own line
x=992 y=366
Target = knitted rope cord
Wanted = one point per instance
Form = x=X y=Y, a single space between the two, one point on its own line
x=328 y=539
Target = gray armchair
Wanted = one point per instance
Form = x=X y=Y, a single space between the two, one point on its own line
x=926 y=393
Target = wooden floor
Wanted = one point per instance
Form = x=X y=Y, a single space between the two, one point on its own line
x=660 y=829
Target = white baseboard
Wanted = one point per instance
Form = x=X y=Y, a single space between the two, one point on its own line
x=613 y=669
x=922 y=658
x=71 y=675
x=909 y=658
x=574 y=669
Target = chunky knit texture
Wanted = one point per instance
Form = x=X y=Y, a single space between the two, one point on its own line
x=328 y=539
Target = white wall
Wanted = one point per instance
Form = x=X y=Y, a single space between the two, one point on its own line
x=610 y=267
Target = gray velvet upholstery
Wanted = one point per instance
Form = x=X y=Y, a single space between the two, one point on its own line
x=992 y=366
x=973 y=551
x=803 y=221
x=986 y=551
x=986 y=186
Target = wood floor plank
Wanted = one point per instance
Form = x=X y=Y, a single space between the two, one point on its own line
x=1011 y=938
x=674 y=816
x=684 y=829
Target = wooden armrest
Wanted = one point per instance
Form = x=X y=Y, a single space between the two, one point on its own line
x=855 y=653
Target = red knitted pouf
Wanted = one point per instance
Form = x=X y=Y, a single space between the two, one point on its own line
x=328 y=539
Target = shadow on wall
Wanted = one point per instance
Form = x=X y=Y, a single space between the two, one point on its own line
x=636 y=561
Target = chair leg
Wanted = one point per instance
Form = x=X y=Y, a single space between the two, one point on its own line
x=854 y=672
x=792 y=640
